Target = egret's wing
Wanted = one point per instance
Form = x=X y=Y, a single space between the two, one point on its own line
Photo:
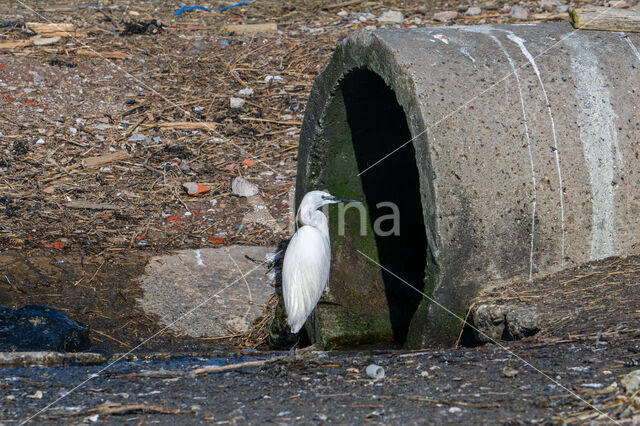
x=305 y=272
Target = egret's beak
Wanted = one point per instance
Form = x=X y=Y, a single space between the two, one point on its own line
x=343 y=200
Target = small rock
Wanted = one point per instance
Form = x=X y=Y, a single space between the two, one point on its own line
x=509 y=372
x=454 y=410
x=49 y=189
x=236 y=103
x=37 y=395
x=445 y=16
x=497 y=322
x=521 y=323
x=473 y=11
x=39 y=327
x=105 y=170
x=139 y=137
x=243 y=188
x=375 y=372
x=519 y=12
x=40 y=141
x=270 y=79
x=631 y=382
x=343 y=13
x=321 y=417
x=247 y=91
x=549 y=5
x=73 y=130
x=392 y=16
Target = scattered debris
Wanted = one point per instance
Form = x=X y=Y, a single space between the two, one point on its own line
x=229 y=367
x=152 y=26
x=185 y=125
x=91 y=206
x=101 y=160
x=250 y=28
x=102 y=54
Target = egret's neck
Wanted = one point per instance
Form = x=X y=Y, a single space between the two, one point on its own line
x=316 y=219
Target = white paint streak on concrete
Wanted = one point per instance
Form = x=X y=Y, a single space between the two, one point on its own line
x=596 y=120
x=526 y=131
x=633 y=47
x=442 y=38
x=520 y=42
x=199 y=258
x=487 y=31
x=465 y=52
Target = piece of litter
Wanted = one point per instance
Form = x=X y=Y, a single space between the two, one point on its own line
x=195 y=189
x=442 y=38
x=375 y=372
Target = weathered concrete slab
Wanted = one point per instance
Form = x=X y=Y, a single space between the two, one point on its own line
x=208 y=292
x=510 y=151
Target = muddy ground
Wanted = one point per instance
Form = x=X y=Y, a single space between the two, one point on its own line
x=119 y=85
x=562 y=382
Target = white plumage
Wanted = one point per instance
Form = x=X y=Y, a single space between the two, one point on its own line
x=305 y=270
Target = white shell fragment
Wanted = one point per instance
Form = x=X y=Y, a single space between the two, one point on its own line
x=243 y=188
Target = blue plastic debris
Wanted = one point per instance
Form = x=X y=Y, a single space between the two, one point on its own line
x=224 y=43
x=189 y=8
x=242 y=3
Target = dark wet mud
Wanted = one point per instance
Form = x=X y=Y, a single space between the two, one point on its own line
x=563 y=382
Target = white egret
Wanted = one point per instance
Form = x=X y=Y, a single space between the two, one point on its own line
x=305 y=270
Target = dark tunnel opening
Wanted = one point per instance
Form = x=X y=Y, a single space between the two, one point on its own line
x=378 y=126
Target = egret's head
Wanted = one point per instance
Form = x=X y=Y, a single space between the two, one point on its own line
x=316 y=199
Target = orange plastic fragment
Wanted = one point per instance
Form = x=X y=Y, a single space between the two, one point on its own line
x=195 y=189
x=140 y=237
x=216 y=240
x=248 y=162
x=55 y=244
x=174 y=219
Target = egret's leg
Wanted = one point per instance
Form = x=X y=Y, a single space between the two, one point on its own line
x=292 y=351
